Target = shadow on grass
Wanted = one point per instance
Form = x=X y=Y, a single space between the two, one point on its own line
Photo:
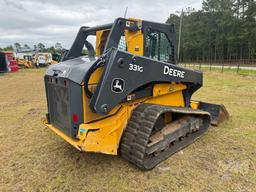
x=93 y=160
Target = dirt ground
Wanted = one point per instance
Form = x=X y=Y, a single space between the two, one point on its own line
x=33 y=158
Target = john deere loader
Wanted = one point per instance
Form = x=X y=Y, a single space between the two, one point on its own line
x=128 y=96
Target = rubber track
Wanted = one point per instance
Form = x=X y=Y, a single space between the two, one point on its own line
x=136 y=135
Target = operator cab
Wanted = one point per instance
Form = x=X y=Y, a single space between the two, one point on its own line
x=143 y=38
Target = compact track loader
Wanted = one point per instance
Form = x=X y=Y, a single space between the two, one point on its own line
x=26 y=61
x=128 y=96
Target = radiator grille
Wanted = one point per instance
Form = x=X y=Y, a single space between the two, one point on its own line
x=64 y=99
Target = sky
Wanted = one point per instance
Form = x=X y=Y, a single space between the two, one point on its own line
x=50 y=21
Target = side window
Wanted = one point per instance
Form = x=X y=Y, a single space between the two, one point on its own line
x=101 y=40
x=159 y=47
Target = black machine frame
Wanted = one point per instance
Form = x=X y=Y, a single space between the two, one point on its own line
x=101 y=101
x=116 y=66
x=116 y=31
x=138 y=82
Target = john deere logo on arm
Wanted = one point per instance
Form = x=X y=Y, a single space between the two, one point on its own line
x=117 y=85
x=173 y=72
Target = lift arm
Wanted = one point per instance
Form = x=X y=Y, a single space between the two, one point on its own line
x=123 y=73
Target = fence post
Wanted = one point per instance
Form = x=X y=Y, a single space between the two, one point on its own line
x=222 y=68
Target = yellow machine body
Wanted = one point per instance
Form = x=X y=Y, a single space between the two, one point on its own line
x=127 y=97
x=54 y=62
x=25 y=63
x=103 y=133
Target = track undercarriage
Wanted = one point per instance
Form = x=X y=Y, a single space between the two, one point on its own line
x=148 y=139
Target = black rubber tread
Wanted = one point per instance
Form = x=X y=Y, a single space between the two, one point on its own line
x=131 y=132
x=139 y=128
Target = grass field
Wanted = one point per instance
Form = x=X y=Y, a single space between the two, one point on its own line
x=33 y=158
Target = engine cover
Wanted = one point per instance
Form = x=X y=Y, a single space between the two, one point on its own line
x=64 y=94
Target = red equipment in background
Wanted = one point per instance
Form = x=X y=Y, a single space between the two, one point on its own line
x=8 y=62
x=12 y=61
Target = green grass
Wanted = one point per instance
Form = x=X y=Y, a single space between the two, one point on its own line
x=33 y=158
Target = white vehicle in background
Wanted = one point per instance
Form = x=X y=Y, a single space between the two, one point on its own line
x=40 y=60
x=43 y=59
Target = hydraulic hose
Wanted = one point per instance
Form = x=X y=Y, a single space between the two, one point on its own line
x=97 y=64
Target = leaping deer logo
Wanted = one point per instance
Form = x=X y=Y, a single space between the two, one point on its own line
x=118 y=85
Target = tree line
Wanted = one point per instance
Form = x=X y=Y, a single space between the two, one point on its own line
x=222 y=30
x=40 y=47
